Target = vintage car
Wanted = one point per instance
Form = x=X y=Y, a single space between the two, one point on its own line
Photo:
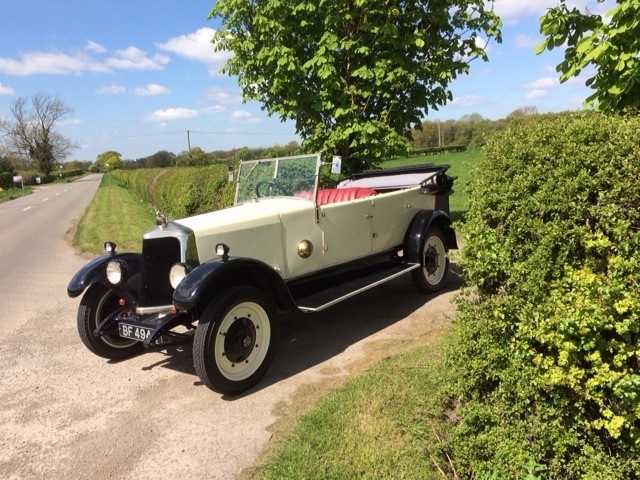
x=220 y=279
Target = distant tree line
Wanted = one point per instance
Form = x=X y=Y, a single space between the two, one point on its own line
x=435 y=136
x=469 y=132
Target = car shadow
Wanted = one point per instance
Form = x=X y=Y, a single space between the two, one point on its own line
x=306 y=340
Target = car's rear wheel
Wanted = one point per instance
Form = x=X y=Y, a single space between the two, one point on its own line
x=434 y=262
x=98 y=303
x=235 y=340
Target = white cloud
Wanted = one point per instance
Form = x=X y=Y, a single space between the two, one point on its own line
x=216 y=109
x=70 y=121
x=543 y=83
x=76 y=63
x=132 y=58
x=540 y=87
x=223 y=96
x=535 y=94
x=94 y=47
x=52 y=63
x=510 y=11
x=4 y=90
x=524 y=41
x=113 y=89
x=151 y=89
x=467 y=101
x=242 y=116
x=197 y=47
x=169 y=114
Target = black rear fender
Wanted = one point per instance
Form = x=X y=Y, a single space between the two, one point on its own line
x=94 y=271
x=421 y=222
x=208 y=279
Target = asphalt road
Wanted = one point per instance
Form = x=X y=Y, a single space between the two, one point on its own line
x=65 y=413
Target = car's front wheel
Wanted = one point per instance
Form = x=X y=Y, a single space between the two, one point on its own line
x=434 y=262
x=235 y=340
x=98 y=303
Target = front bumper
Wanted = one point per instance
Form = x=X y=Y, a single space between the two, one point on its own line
x=153 y=330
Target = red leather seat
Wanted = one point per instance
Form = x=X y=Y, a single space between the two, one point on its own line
x=333 y=195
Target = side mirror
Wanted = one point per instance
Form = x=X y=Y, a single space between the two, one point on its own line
x=336 y=164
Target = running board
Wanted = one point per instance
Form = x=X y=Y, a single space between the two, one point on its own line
x=325 y=299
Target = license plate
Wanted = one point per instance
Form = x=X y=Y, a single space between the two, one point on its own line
x=134 y=332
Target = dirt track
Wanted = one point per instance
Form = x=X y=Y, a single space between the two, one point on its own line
x=65 y=413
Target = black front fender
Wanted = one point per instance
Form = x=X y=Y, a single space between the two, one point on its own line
x=198 y=288
x=94 y=271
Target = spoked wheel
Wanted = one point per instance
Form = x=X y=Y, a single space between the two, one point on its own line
x=434 y=262
x=235 y=340
x=97 y=303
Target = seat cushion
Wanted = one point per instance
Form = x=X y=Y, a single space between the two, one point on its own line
x=333 y=195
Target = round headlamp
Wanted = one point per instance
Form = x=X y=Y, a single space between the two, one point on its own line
x=177 y=272
x=116 y=271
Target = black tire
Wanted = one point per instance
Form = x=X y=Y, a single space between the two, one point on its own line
x=434 y=261
x=97 y=303
x=235 y=340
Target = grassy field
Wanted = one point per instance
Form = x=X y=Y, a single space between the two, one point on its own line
x=462 y=166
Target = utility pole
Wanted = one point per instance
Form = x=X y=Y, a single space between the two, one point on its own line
x=188 y=142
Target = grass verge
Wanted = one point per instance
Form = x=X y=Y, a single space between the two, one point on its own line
x=11 y=193
x=116 y=215
x=384 y=424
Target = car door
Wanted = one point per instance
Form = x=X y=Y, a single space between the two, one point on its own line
x=392 y=214
x=346 y=230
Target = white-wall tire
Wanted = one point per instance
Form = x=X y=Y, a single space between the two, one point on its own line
x=434 y=262
x=235 y=340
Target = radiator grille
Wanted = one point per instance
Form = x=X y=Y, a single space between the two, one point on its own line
x=158 y=255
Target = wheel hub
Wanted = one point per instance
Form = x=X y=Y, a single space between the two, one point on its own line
x=239 y=340
x=431 y=259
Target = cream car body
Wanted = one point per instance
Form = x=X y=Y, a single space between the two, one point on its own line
x=218 y=280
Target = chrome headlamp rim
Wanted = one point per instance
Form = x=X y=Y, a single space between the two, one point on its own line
x=177 y=272
x=116 y=271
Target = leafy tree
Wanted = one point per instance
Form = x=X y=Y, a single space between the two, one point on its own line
x=194 y=157
x=160 y=159
x=32 y=131
x=109 y=160
x=356 y=76
x=523 y=112
x=77 y=165
x=610 y=45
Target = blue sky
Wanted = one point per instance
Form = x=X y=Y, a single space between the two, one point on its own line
x=140 y=74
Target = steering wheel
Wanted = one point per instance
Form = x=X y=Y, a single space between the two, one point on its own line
x=272 y=184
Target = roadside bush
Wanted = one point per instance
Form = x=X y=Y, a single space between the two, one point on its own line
x=6 y=179
x=547 y=348
x=180 y=191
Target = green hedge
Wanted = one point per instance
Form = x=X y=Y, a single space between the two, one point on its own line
x=547 y=347
x=6 y=179
x=180 y=192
